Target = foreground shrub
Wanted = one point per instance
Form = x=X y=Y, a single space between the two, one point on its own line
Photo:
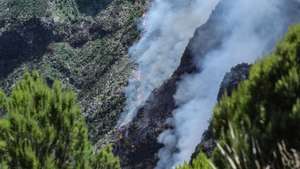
x=200 y=162
x=264 y=111
x=42 y=128
x=230 y=155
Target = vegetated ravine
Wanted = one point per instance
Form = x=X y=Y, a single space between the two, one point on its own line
x=185 y=49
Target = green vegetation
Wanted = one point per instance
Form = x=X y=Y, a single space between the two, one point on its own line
x=258 y=126
x=267 y=106
x=106 y=160
x=200 y=162
x=64 y=10
x=43 y=128
x=97 y=69
x=92 y=7
x=22 y=9
x=89 y=55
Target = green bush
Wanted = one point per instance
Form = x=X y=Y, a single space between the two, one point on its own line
x=106 y=160
x=42 y=128
x=265 y=109
x=23 y=9
x=65 y=10
x=200 y=162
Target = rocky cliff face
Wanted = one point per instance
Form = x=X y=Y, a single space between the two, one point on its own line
x=87 y=53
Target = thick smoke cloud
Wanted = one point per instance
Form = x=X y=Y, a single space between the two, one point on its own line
x=167 y=27
x=253 y=27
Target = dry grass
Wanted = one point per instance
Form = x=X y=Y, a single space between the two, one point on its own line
x=283 y=157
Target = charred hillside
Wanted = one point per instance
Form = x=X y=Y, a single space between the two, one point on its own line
x=137 y=143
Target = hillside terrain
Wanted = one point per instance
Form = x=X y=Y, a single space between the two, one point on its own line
x=82 y=43
x=65 y=68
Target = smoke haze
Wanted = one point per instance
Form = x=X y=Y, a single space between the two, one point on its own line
x=167 y=29
x=252 y=28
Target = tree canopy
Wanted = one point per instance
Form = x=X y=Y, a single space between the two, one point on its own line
x=42 y=128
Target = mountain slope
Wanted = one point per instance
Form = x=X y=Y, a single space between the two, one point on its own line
x=87 y=53
x=138 y=145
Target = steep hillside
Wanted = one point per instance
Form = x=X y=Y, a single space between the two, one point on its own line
x=156 y=105
x=83 y=44
x=256 y=126
x=138 y=145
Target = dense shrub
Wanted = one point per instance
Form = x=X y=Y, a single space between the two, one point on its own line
x=265 y=109
x=65 y=10
x=42 y=128
x=200 y=162
x=22 y=9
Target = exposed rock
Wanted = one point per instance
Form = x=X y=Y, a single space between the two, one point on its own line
x=207 y=144
x=230 y=82
x=232 y=79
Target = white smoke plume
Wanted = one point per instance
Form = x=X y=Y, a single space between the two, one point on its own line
x=167 y=27
x=254 y=26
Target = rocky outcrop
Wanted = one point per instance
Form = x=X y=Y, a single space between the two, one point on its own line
x=230 y=82
x=232 y=79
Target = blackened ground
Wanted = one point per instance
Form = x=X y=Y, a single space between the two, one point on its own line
x=136 y=143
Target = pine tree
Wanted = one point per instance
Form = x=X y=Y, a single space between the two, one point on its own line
x=43 y=128
x=106 y=160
